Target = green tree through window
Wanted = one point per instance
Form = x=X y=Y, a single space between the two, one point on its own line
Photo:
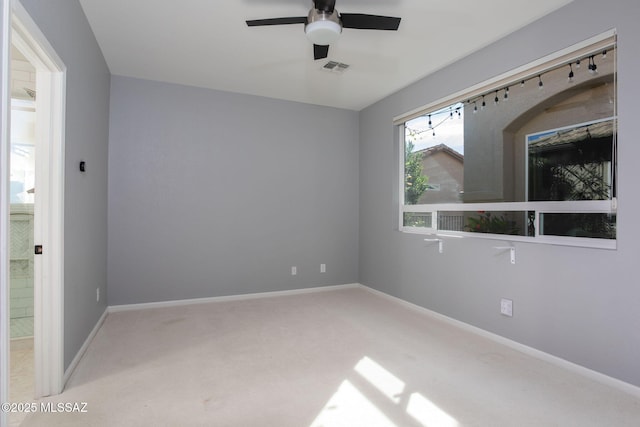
x=415 y=183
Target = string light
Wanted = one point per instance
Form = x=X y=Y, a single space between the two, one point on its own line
x=435 y=120
x=571 y=73
x=592 y=67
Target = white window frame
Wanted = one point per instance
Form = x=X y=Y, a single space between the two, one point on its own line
x=582 y=206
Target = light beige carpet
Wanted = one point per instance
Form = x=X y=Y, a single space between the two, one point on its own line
x=334 y=358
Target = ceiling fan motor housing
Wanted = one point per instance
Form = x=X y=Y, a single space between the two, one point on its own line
x=323 y=28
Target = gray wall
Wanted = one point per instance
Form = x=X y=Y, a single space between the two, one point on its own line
x=213 y=193
x=86 y=138
x=578 y=304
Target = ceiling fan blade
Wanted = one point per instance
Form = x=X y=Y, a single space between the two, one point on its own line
x=320 y=52
x=325 y=5
x=277 y=21
x=363 y=21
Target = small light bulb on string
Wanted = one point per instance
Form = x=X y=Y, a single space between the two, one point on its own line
x=459 y=113
x=540 y=84
x=506 y=94
x=571 y=73
x=593 y=68
x=450 y=113
x=434 y=133
x=522 y=83
x=578 y=63
x=496 y=100
x=604 y=54
x=430 y=126
x=475 y=107
x=484 y=104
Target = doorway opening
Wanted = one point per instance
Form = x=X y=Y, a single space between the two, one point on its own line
x=21 y=230
x=33 y=152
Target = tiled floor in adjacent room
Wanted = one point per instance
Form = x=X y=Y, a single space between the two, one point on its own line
x=21 y=385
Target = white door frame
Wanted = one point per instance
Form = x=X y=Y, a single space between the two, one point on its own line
x=49 y=207
x=5 y=139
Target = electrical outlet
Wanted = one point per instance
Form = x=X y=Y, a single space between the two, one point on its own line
x=97 y=294
x=323 y=268
x=506 y=307
x=294 y=271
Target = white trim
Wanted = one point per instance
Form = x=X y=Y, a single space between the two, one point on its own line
x=48 y=286
x=514 y=345
x=580 y=242
x=595 y=206
x=182 y=302
x=401 y=184
x=5 y=140
x=83 y=349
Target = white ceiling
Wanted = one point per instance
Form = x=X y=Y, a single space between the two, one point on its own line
x=206 y=43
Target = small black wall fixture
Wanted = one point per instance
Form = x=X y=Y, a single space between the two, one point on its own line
x=82 y=166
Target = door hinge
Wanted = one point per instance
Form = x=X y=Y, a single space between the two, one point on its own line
x=38 y=250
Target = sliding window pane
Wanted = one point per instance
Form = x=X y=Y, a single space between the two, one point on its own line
x=418 y=219
x=514 y=223
x=593 y=225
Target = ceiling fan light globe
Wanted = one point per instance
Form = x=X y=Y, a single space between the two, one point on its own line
x=323 y=33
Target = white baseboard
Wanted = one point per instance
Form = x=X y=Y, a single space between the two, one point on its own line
x=175 y=303
x=83 y=349
x=555 y=360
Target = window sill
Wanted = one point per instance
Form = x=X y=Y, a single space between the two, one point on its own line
x=582 y=242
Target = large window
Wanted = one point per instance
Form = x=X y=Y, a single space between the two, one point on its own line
x=531 y=154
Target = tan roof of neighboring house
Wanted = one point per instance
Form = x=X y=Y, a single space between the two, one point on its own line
x=441 y=147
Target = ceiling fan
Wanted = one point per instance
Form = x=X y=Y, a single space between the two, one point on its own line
x=324 y=24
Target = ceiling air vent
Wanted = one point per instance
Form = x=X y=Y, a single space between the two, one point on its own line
x=335 y=67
